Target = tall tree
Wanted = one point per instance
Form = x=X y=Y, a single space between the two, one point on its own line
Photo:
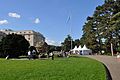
x=14 y=45
x=115 y=21
x=99 y=31
x=66 y=45
x=76 y=42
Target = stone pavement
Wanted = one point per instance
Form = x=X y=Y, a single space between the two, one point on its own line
x=112 y=63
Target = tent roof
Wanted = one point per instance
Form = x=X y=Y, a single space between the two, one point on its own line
x=79 y=48
x=85 y=48
x=75 y=48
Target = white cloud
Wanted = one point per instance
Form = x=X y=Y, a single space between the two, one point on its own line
x=3 y=22
x=37 y=20
x=51 y=42
x=14 y=15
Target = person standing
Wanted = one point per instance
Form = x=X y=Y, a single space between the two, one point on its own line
x=29 y=55
x=52 y=56
x=33 y=54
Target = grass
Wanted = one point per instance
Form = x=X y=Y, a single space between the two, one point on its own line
x=58 y=69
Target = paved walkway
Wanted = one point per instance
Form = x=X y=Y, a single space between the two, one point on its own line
x=112 y=63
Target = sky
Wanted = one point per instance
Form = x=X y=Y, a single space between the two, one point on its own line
x=55 y=19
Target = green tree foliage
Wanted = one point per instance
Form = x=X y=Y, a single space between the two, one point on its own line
x=1 y=51
x=103 y=28
x=76 y=42
x=90 y=34
x=115 y=21
x=49 y=48
x=58 y=48
x=52 y=48
x=66 y=45
x=44 y=48
x=14 y=45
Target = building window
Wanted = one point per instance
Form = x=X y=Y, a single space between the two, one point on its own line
x=28 y=38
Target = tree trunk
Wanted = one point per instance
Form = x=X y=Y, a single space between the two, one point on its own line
x=112 y=49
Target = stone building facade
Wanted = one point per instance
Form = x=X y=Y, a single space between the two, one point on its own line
x=35 y=38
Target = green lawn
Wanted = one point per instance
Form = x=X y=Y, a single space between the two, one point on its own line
x=58 y=69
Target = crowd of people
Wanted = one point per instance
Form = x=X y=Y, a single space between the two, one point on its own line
x=32 y=55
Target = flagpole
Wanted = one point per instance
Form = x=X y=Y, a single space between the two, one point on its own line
x=70 y=33
x=71 y=36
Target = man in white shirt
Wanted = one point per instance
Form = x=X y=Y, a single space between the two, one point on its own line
x=29 y=55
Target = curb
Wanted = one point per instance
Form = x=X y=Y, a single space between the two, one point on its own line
x=108 y=75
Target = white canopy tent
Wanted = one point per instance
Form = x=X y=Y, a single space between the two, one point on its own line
x=82 y=51
x=85 y=51
x=75 y=49
x=79 y=48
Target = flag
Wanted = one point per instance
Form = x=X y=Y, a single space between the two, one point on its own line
x=68 y=19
